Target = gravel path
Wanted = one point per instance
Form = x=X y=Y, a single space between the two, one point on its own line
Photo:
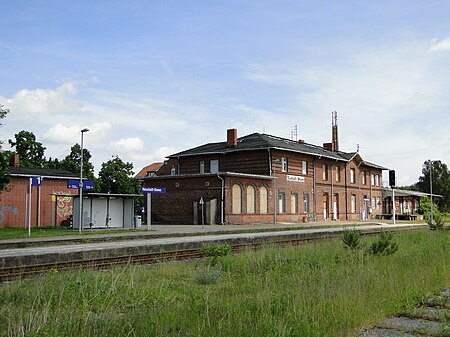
x=432 y=319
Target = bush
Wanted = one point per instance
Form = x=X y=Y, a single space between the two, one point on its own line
x=385 y=245
x=350 y=238
x=215 y=251
x=208 y=275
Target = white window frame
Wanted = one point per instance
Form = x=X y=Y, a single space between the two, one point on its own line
x=214 y=166
x=304 y=167
x=284 y=164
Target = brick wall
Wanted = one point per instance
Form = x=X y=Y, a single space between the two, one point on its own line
x=52 y=210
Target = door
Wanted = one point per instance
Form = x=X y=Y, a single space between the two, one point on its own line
x=336 y=207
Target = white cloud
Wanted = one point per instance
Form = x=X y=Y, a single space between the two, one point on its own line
x=440 y=45
x=128 y=145
x=62 y=134
x=44 y=103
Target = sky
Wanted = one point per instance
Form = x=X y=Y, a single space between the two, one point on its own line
x=151 y=78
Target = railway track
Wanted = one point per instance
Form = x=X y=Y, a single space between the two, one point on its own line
x=8 y=273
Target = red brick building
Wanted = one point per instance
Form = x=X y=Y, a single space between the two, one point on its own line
x=243 y=180
x=50 y=204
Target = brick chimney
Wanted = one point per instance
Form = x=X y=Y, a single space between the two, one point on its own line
x=231 y=137
x=334 y=132
x=15 y=160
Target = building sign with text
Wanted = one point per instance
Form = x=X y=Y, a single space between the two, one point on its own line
x=297 y=179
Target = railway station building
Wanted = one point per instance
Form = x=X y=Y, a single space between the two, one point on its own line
x=261 y=178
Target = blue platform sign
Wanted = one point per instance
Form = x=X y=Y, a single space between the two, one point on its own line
x=36 y=181
x=154 y=190
x=75 y=184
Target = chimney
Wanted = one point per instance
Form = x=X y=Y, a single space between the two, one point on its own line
x=231 y=137
x=15 y=160
x=328 y=146
x=334 y=131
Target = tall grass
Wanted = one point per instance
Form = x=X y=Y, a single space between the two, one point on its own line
x=318 y=289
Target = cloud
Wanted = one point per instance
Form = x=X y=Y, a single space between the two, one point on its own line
x=440 y=45
x=62 y=134
x=128 y=145
x=43 y=103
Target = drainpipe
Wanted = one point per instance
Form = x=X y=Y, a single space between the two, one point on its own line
x=346 y=191
x=221 y=198
x=314 y=189
x=331 y=198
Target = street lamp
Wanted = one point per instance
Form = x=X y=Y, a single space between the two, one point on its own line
x=431 y=191
x=80 y=224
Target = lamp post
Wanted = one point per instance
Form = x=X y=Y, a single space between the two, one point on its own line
x=431 y=190
x=80 y=224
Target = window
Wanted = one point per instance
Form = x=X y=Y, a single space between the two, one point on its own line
x=378 y=203
x=363 y=177
x=173 y=171
x=377 y=180
x=214 y=166
x=325 y=171
x=281 y=202
x=372 y=180
x=304 y=167
x=352 y=176
x=263 y=200
x=338 y=173
x=373 y=203
x=284 y=164
x=237 y=199
x=202 y=167
x=294 y=203
x=353 y=203
x=250 y=200
x=306 y=202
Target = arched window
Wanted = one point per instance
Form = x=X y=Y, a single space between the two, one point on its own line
x=237 y=199
x=263 y=200
x=250 y=199
x=294 y=203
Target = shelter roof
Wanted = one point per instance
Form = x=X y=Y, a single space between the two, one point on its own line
x=43 y=172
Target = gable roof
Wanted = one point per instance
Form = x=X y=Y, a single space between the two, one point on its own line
x=258 y=141
x=154 y=167
x=43 y=172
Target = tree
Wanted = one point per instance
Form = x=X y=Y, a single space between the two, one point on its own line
x=115 y=176
x=31 y=152
x=440 y=175
x=4 y=156
x=71 y=162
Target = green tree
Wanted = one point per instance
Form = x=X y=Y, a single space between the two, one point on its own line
x=4 y=156
x=116 y=176
x=31 y=152
x=71 y=162
x=440 y=175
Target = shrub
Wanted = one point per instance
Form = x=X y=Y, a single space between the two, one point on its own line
x=350 y=238
x=215 y=251
x=207 y=275
x=385 y=245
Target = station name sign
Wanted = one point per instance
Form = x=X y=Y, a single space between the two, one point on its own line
x=155 y=190
x=75 y=184
x=298 y=179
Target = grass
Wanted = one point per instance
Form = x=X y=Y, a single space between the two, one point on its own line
x=40 y=232
x=318 y=289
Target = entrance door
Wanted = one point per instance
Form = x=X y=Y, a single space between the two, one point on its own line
x=336 y=207
x=325 y=206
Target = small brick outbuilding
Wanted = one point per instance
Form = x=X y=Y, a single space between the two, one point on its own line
x=50 y=203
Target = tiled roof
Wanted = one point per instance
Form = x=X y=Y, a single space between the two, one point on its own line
x=154 y=167
x=43 y=172
x=257 y=141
